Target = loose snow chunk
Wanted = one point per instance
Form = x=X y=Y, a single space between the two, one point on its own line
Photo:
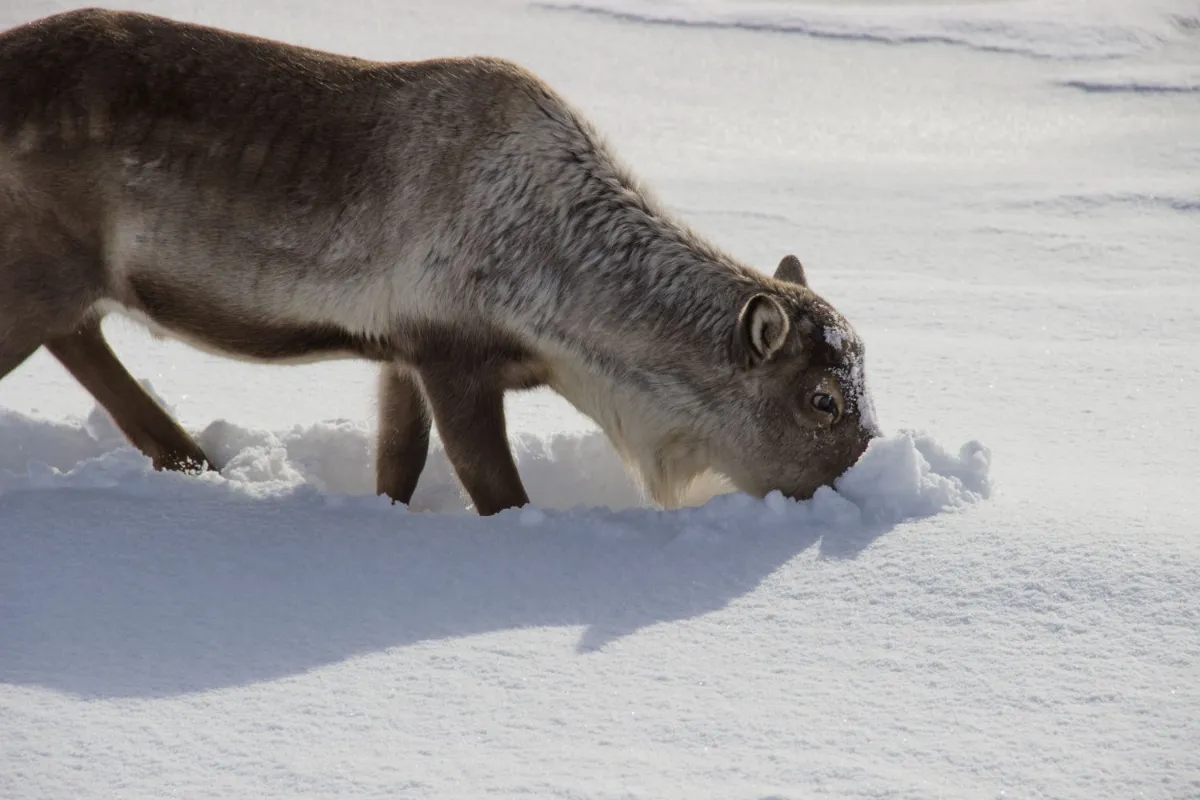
x=910 y=475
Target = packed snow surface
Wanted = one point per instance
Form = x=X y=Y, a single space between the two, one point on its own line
x=999 y=600
x=1056 y=29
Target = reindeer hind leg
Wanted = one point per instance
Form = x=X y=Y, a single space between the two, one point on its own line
x=88 y=358
x=50 y=279
x=39 y=294
x=14 y=351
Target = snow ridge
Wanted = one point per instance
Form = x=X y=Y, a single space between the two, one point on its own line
x=904 y=476
x=1051 y=29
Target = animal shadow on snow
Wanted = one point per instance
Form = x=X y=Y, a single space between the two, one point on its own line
x=158 y=595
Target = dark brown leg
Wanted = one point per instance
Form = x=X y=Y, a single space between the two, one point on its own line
x=88 y=358
x=403 y=442
x=470 y=418
x=13 y=353
x=43 y=291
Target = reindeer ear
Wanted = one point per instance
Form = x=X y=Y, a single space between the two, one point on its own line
x=791 y=270
x=762 y=329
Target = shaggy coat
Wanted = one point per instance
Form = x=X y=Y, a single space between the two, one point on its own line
x=454 y=220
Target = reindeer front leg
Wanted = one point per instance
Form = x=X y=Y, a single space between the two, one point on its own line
x=469 y=413
x=403 y=440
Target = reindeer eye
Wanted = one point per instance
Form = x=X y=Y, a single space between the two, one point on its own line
x=824 y=403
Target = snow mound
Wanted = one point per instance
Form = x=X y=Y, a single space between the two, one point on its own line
x=1054 y=29
x=900 y=477
x=911 y=475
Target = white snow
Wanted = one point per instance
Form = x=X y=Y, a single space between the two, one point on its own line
x=1139 y=78
x=899 y=477
x=999 y=600
x=1057 y=29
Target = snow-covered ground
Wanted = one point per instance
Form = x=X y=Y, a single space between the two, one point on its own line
x=1001 y=600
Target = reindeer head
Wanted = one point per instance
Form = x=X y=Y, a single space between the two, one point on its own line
x=804 y=414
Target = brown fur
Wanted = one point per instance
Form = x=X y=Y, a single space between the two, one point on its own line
x=72 y=91
x=451 y=219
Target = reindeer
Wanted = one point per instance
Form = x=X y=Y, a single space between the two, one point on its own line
x=454 y=220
